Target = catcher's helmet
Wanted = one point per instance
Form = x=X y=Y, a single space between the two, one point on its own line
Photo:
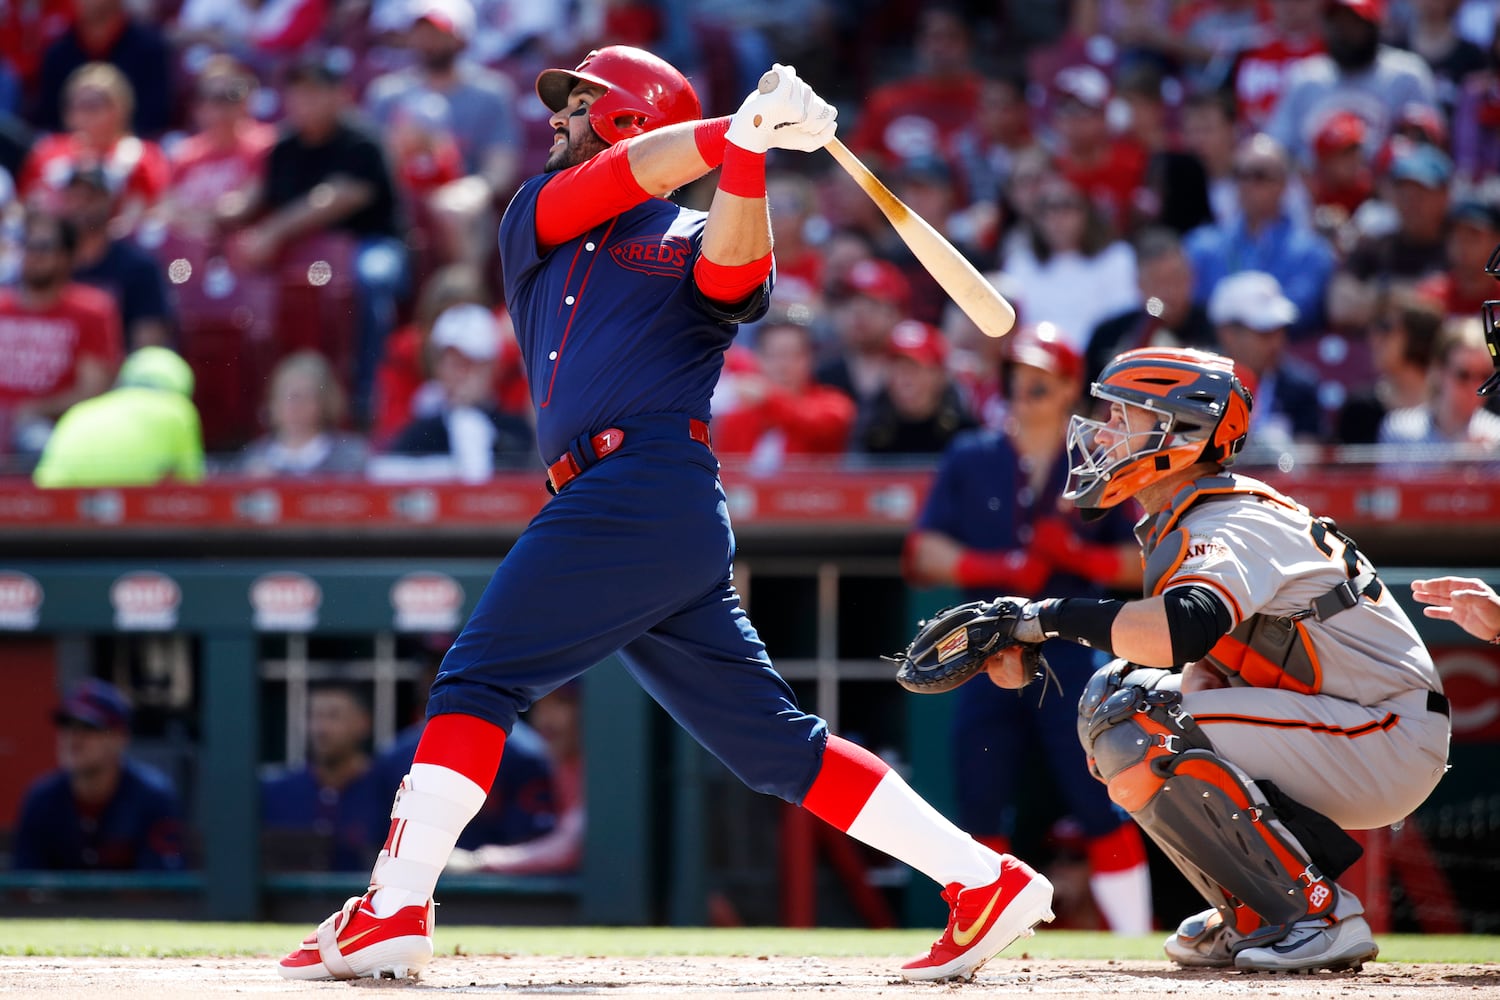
x=1492 y=325
x=644 y=92
x=1201 y=410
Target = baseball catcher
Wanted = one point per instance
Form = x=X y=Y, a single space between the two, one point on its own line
x=1267 y=692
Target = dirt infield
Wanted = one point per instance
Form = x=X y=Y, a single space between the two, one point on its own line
x=704 y=978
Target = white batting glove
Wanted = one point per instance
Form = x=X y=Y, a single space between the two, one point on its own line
x=813 y=132
x=790 y=101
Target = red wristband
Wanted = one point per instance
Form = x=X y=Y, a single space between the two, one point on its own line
x=744 y=172
x=1014 y=570
x=710 y=138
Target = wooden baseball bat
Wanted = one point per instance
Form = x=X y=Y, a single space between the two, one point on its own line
x=968 y=289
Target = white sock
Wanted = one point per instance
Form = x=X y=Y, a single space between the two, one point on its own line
x=432 y=807
x=1124 y=897
x=899 y=822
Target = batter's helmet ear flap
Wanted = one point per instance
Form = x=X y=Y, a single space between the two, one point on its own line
x=642 y=91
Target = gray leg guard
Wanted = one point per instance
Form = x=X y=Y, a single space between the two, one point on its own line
x=1208 y=817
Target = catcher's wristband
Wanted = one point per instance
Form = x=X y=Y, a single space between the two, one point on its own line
x=1080 y=619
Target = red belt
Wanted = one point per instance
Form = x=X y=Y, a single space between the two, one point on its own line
x=563 y=471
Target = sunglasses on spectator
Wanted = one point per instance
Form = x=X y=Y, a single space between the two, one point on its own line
x=1469 y=374
x=223 y=95
x=1071 y=204
x=89 y=102
x=1260 y=175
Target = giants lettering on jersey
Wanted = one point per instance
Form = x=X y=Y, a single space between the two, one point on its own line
x=666 y=256
x=1203 y=552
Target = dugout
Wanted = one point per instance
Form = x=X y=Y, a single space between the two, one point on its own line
x=222 y=602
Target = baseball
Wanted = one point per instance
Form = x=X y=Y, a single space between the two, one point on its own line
x=1007 y=670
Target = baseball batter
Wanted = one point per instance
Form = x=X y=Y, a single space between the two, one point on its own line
x=1307 y=705
x=624 y=304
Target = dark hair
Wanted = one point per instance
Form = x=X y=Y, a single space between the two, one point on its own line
x=1222 y=101
x=1097 y=231
x=1421 y=319
x=355 y=691
x=67 y=233
x=1155 y=242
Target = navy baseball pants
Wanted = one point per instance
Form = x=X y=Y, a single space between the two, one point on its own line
x=634 y=556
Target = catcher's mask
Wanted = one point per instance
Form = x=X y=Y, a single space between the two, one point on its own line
x=1491 y=330
x=1198 y=411
x=643 y=91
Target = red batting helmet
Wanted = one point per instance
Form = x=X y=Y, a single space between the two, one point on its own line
x=1200 y=410
x=642 y=91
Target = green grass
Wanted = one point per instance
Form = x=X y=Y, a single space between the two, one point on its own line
x=155 y=939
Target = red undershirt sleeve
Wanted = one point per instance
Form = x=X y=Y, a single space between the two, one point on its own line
x=730 y=283
x=582 y=197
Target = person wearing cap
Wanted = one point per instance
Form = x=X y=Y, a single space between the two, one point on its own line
x=920 y=410
x=1109 y=170
x=1251 y=317
x=877 y=297
x=100 y=810
x=143 y=431
x=778 y=409
x=1358 y=71
x=1264 y=237
x=303 y=411
x=1414 y=251
x=482 y=119
x=60 y=338
x=1167 y=316
x=463 y=420
x=329 y=174
x=114 y=263
x=993 y=522
x=1473 y=230
x=1340 y=180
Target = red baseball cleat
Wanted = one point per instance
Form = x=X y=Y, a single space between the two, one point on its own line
x=356 y=944
x=984 y=921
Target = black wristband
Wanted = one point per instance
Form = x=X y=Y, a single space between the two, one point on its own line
x=1081 y=619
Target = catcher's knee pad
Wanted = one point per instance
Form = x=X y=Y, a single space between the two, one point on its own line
x=1220 y=827
x=1106 y=681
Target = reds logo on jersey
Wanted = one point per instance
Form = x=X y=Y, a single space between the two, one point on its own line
x=665 y=256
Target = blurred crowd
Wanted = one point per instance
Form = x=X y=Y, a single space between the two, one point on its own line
x=290 y=207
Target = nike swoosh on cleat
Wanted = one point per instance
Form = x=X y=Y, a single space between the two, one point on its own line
x=351 y=939
x=964 y=936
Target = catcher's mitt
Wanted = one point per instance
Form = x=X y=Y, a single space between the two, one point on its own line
x=953 y=646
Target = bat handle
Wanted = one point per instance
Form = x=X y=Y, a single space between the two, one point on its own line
x=769 y=81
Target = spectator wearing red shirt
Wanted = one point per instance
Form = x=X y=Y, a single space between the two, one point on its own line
x=104 y=31
x=97 y=107
x=224 y=159
x=60 y=340
x=1294 y=32
x=1108 y=170
x=1473 y=231
x=1340 y=180
x=920 y=113
x=780 y=410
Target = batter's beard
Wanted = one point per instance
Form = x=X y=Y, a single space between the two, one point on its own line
x=575 y=153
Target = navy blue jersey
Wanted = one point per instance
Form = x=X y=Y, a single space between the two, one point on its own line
x=355 y=819
x=521 y=805
x=980 y=498
x=611 y=324
x=140 y=828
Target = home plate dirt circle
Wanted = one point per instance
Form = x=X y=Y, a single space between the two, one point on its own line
x=698 y=978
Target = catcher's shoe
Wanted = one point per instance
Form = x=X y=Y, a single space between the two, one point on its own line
x=1312 y=944
x=984 y=920
x=1201 y=942
x=356 y=944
